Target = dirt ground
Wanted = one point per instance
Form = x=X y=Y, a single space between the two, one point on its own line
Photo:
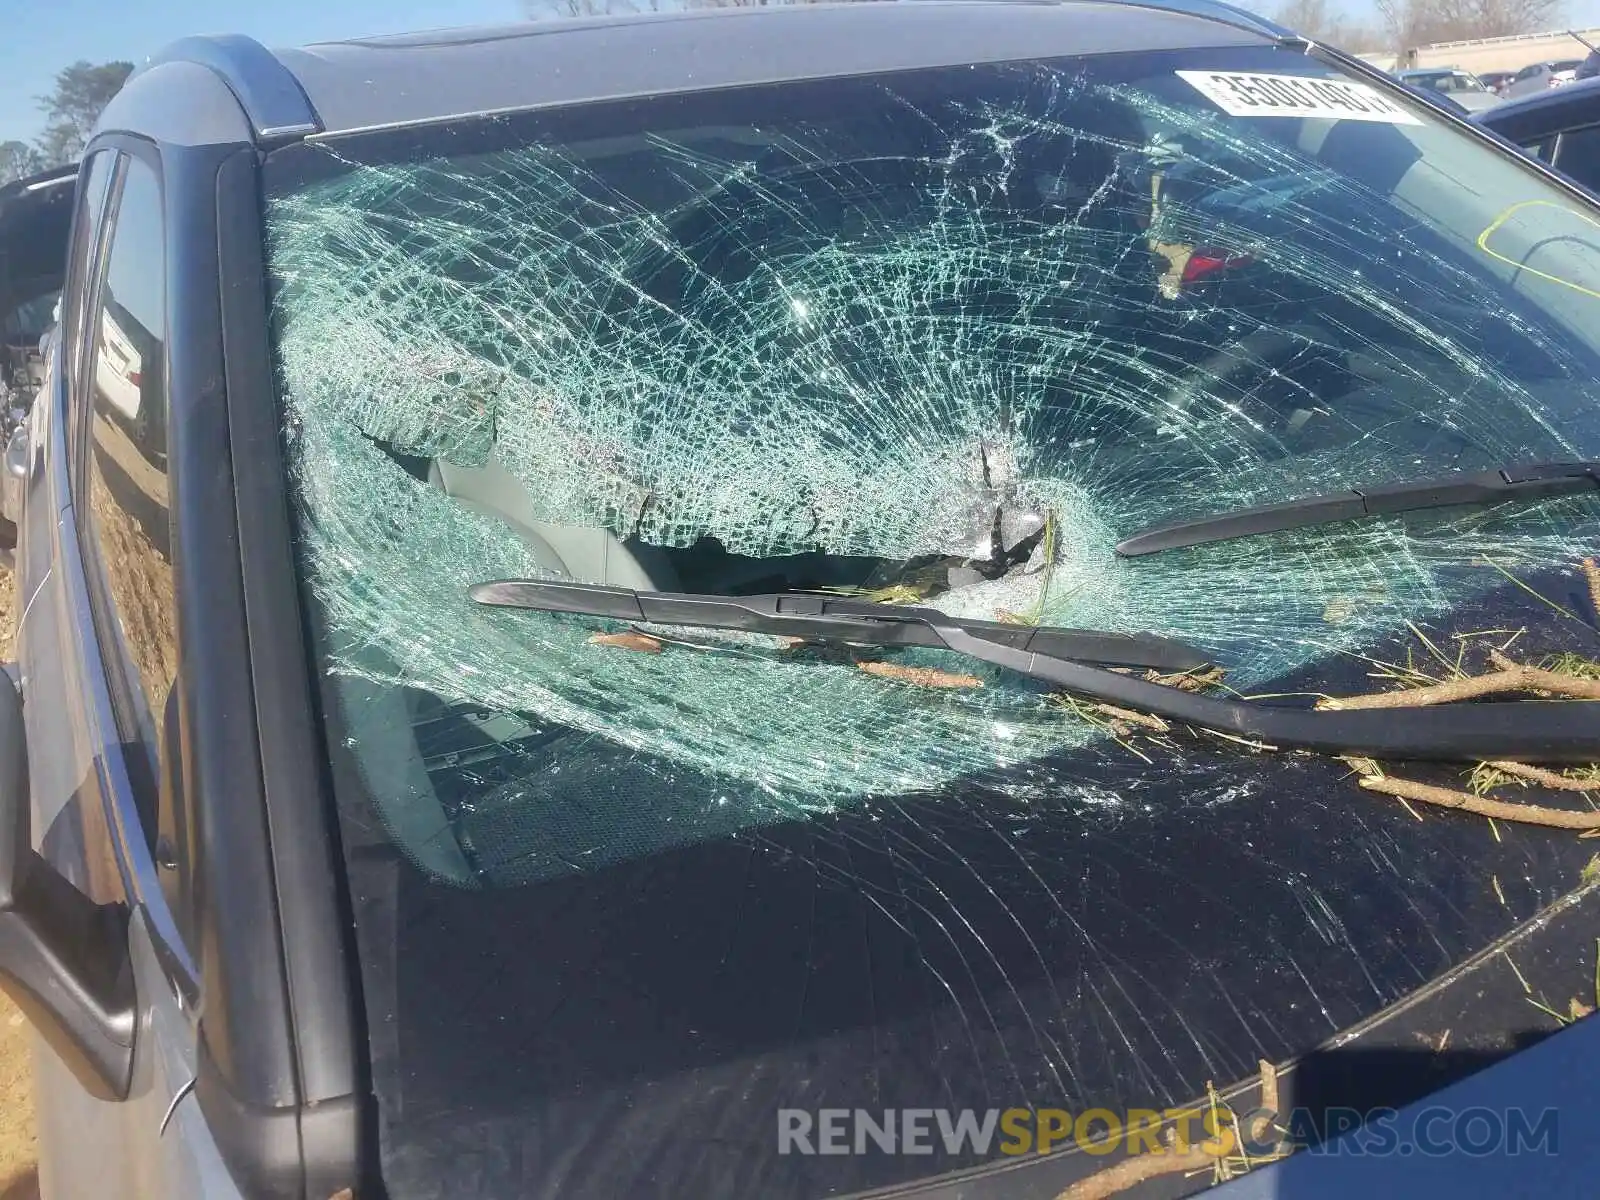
x=18 y=1145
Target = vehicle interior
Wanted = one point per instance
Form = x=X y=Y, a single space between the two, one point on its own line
x=1301 y=345
x=35 y=220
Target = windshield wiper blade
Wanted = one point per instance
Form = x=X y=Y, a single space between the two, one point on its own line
x=837 y=618
x=1532 y=482
x=1552 y=731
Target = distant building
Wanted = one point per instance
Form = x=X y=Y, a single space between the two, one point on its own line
x=1490 y=54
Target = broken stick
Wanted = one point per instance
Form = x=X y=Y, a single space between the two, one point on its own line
x=1132 y=1171
x=920 y=676
x=641 y=642
x=1145 y=720
x=1549 y=779
x=1512 y=678
x=1527 y=814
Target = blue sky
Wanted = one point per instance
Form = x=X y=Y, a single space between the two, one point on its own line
x=57 y=32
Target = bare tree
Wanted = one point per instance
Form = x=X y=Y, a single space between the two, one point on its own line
x=1321 y=22
x=18 y=160
x=544 y=10
x=1401 y=23
x=750 y=3
x=1422 y=22
x=552 y=10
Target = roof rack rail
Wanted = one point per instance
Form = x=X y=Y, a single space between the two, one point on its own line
x=37 y=182
x=267 y=91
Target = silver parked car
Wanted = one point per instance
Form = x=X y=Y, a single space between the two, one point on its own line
x=1465 y=88
x=1540 y=76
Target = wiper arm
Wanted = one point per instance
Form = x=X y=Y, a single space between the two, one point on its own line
x=1554 y=731
x=837 y=618
x=1533 y=482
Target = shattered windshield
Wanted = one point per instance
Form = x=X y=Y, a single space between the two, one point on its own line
x=941 y=338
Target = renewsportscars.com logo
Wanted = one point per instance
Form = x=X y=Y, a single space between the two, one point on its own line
x=1260 y=1133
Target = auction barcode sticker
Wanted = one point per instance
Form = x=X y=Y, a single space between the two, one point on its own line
x=1245 y=94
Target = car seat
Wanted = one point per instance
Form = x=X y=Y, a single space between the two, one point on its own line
x=587 y=554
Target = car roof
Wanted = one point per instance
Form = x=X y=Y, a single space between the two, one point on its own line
x=20 y=190
x=35 y=215
x=424 y=77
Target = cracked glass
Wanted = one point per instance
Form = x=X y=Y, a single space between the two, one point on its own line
x=946 y=336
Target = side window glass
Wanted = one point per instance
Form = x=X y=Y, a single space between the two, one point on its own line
x=31 y=317
x=124 y=492
x=93 y=181
x=1542 y=147
x=1579 y=155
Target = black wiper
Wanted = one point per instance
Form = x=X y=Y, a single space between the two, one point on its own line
x=1561 y=731
x=1533 y=482
x=837 y=618
x=1554 y=731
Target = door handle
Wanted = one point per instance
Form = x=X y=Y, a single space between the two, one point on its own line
x=14 y=477
x=16 y=457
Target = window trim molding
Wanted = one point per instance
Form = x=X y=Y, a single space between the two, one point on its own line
x=83 y=280
x=128 y=825
x=110 y=650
